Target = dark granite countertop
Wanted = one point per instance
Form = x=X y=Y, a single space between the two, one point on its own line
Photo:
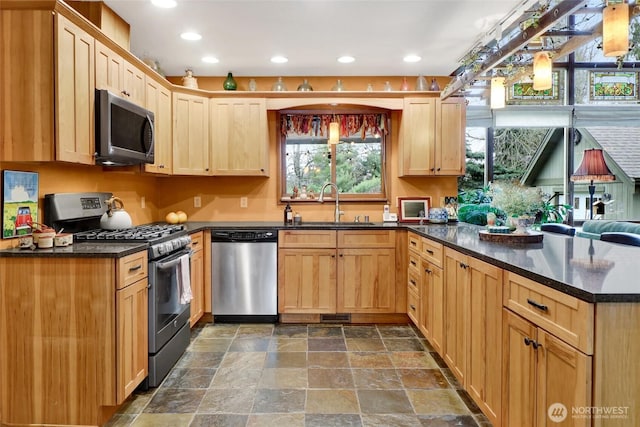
x=80 y=250
x=591 y=270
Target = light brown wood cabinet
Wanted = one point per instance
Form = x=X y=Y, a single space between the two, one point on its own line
x=239 y=137
x=197 y=277
x=190 y=134
x=117 y=75
x=74 y=333
x=158 y=99
x=340 y=272
x=473 y=329
x=432 y=137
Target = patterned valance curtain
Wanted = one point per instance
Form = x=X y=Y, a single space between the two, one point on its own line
x=317 y=125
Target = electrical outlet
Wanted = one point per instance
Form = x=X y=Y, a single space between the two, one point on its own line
x=143 y=202
x=197 y=202
x=243 y=202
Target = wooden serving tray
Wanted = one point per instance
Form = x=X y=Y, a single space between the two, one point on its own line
x=531 y=237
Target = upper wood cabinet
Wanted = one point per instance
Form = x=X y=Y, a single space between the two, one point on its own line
x=190 y=134
x=239 y=137
x=159 y=102
x=432 y=137
x=48 y=78
x=118 y=76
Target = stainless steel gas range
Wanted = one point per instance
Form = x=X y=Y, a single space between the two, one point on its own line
x=169 y=276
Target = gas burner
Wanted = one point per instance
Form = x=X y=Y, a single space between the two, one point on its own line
x=143 y=233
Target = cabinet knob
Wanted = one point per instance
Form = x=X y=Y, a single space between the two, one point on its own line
x=428 y=271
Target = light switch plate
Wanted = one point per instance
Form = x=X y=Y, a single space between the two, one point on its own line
x=243 y=202
x=197 y=202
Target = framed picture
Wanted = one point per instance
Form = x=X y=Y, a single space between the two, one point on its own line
x=523 y=92
x=613 y=85
x=19 y=202
x=412 y=209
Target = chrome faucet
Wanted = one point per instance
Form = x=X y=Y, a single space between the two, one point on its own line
x=321 y=199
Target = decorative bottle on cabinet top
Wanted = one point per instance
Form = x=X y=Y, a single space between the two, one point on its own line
x=305 y=86
x=338 y=86
x=405 y=85
x=189 y=81
x=230 y=83
x=421 y=83
x=434 y=85
x=279 y=86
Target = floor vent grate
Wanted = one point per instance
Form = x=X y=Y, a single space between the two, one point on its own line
x=335 y=318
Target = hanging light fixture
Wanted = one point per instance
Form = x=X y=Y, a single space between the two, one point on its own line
x=542 y=66
x=497 y=92
x=615 y=28
x=334 y=133
x=592 y=168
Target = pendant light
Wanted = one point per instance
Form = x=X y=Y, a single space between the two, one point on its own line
x=542 y=66
x=615 y=29
x=334 y=133
x=497 y=92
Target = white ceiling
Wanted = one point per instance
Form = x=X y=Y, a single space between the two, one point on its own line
x=244 y=34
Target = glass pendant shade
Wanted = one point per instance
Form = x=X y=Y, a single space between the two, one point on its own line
x=542 y=66
x=497 y=92
x=334 y=133
x=615 y=29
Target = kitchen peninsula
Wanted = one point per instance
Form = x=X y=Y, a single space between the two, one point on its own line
x=567 y=312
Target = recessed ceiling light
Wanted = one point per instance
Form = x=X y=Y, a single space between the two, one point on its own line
x=346 y=59
x=165 y=4
x=190 y=35
x=412 y=58
x=210 y=59
x=279 y=59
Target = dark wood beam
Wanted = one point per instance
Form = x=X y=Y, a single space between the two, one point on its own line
x=545 y=22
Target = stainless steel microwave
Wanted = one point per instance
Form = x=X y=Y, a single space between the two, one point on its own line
x=124 y=131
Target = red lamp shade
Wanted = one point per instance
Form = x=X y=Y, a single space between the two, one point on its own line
x=593 y=167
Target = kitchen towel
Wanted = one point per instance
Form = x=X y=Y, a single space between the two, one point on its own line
x=184 y=280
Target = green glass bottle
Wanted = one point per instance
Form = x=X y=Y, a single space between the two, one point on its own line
x=229 y=83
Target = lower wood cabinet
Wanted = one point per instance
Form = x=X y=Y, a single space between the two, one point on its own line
x=328 y=272
x=542 y=372
x=432 y=314
x=197 y=277
x=133 y=337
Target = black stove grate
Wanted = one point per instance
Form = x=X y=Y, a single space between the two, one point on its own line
x=141 y=233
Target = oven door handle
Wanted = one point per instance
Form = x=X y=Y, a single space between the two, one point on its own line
x=173 y=260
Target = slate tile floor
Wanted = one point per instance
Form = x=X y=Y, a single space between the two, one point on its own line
x=304 y=375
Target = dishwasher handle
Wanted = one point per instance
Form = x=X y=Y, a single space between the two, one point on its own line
x=239 y=236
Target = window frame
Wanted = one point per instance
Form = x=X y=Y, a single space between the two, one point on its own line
x=284 y=197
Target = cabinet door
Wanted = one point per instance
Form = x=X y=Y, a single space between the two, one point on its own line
x=239 y=137
x=133 y=84
x=519 y=372
x=75 y=93
x=418 y=137
x=158 y=100
x=366 y=281
x=450 y=150
x=485 y=339
x=564 y=376
x=109 y=69
x=132 y=338
x=456 y=312
x=307 y=281
x=197 y=285
x=190 y=134
x=432 y=325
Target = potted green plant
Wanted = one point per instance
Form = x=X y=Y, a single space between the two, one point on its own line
x=521 y=204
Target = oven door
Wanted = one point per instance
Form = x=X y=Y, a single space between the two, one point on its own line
x=166 y=313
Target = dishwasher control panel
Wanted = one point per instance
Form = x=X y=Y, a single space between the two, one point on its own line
x=244 y=236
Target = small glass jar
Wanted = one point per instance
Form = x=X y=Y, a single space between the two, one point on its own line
x=279 y=86
x=338 y=87
x=369 y=87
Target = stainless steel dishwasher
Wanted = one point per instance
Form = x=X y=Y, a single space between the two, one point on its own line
x=244 y=275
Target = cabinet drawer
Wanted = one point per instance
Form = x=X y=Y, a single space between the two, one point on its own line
x=414 y=282
x=197 y=241
x=413 y=304
x=431 y=251
x=367 y=239
x=564 y=316
x=307 y=239
x=415 y=242
x=132 y=268
x=414 y=261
